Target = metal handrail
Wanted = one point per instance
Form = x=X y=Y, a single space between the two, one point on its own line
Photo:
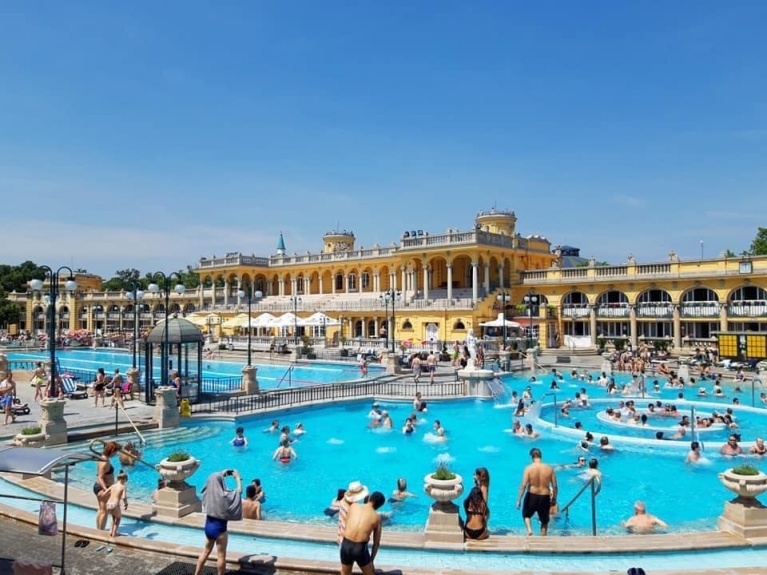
x=596 y=486
x=288 y=374
x=128 y=453
x=142 y=440
x=556 y=410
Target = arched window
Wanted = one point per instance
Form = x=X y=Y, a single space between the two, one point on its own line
x=407 y=325
x=352 y=282
x=365 y=280
x=459 y=325
x=339 y=281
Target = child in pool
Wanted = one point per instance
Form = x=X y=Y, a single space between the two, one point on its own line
x=239 y=439
x=117 y=492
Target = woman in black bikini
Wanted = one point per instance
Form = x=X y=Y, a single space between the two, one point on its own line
x=475 y=526
x=105 y=477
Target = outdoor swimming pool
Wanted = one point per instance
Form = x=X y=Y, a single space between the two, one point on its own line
x=269 y=376
x=340 y=447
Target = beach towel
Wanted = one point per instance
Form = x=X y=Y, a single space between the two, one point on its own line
x=220 y=502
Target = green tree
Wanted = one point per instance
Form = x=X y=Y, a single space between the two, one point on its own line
x=729 y=254
x=9 y=311
x=759 y=245
x=122 y=280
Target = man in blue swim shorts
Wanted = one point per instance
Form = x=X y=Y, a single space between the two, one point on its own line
x=362 y=521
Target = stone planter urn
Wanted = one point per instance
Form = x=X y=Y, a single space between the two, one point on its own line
x=32 y=440
x=443 y=490
x=443 y=524
x=746 y=487
x=177 y=471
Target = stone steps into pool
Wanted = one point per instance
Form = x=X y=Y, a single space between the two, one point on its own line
x=171 y=437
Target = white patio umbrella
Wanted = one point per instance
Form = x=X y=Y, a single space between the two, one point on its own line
x=240 y=320
x=264 y=320
x=287 y=320
x=499 y=322
x=319 y=319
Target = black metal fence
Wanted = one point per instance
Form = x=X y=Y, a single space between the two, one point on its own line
x=277 y=398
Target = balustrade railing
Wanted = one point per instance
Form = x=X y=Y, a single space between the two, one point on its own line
x=276 y=398
x=655 y=310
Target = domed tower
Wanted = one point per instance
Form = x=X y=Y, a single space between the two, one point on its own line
x=337 y=241
x=497 y=222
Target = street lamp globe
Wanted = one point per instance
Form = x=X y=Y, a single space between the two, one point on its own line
x=179 y=289
x=258 y=295
x=36 y=285
x=241 y=294
x=71 y=285
x=153 y=287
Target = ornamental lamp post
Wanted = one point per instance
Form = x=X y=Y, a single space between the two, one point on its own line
x=135 y=295
x=53 y=291
x=257 y=295
x=164 y=286
x=502 y=297
x=530 y=300
x=295 y=300
x=391 y=296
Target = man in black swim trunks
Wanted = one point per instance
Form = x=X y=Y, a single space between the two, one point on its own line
x=360 y=523
x=539 y=488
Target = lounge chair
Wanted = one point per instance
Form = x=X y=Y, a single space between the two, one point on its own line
x=71 y=389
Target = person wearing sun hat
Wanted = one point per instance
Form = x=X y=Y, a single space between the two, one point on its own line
x=355 y=493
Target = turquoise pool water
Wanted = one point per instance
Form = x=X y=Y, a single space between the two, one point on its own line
x=498 y=562
x=268 y=375
x=339 y=447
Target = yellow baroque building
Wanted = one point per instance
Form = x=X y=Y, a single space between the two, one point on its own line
x=448 y=283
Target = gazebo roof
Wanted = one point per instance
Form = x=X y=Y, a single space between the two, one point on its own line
x=180 y=330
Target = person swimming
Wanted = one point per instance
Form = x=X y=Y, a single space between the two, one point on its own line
x=401 y=493
x=275 y=426
x=285 y=453
x=299 y=429
x=239 y=439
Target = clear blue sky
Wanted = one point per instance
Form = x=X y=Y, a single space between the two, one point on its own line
x=148 y=134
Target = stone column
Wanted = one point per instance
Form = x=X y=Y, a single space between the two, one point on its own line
x=52 y=422
x=593 y=324
x=500 y=275
x=392 y=364
x=449 y=282
x=425 y=282
x=346 y=284
x=249 y=380
x=200 y=296
x=166 y=409
x=239 y=288
x=133 y=376
x=474 y=280
x=677 y=323
x=226 y=292
x=633 y=326
x=487 y=279
x=404 y=281
x=393 y=280
x=724 y=318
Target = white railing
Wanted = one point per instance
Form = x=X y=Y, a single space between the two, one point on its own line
x=613 y=311
x=655 y=310
x=576 y=312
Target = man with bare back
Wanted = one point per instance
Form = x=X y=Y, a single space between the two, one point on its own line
x=362 y=521
x=539 y=488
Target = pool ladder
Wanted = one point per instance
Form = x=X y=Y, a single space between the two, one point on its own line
x=596 y=486
x=289 y=375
